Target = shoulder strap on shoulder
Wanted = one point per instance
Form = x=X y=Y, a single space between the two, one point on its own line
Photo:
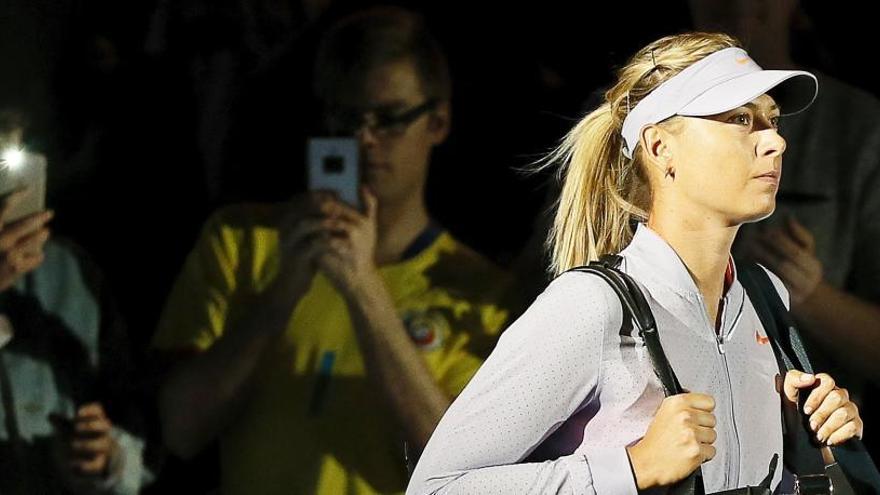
x=635 y=305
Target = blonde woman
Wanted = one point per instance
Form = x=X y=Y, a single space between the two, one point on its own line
x=686 y=147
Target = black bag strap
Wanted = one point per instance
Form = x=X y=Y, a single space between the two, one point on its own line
x=854 y=466
x=774 y=317
x=636 y=307
x=801 y=455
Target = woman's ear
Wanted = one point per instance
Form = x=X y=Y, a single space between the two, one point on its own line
x=657 y=145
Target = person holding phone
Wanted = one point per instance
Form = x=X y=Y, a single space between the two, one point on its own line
x=317 y=337
x=69 y=424
x=680 y=153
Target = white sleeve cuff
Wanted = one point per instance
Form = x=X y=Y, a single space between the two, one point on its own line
x=127 y=473
x=611 y=471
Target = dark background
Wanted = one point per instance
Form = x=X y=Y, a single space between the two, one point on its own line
x=115 y=94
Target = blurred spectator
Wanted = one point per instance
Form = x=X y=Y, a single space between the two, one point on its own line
x=822 y=240
x=313 y=338
x=68 y=411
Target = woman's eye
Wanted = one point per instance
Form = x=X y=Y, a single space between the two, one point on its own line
x=775 y=121
x=741 y=119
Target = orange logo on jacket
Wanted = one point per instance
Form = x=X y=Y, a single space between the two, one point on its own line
x=743 y=60
x=761 y=339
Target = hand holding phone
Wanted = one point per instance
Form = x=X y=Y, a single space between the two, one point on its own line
x=21 y=241
x=87 y=443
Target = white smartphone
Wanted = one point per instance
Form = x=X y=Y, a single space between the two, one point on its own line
x=333 y=166
x=22 y=169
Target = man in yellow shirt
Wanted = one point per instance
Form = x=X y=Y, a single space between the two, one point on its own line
x=311 y=338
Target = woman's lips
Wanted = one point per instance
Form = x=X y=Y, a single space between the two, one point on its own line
x=772 y=177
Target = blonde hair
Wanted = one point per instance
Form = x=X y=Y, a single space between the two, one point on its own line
x=603 y=190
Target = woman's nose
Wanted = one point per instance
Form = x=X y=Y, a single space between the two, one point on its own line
x=771 y=144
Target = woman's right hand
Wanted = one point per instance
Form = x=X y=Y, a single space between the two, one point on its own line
x=679 y=439
x=21 y=241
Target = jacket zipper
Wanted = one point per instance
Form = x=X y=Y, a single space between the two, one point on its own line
x=733 y=472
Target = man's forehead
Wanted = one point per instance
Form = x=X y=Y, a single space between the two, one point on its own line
x=391 y=103
x=392 y=84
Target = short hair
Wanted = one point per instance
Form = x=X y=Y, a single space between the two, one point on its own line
x=374 y=37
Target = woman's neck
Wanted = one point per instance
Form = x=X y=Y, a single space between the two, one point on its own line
x=705 y=250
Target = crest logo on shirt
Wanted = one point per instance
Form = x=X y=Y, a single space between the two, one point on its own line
x=427 y=329
x=761 y=339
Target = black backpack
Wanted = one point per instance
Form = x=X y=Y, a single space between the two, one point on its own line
x=853 y=473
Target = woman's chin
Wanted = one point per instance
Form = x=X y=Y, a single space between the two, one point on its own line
x=761 y=214
x=759 y=211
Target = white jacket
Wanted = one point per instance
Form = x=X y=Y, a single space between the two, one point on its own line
x=567 y=388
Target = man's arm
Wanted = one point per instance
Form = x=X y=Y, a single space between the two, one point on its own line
x=203 y=393
x=394 y=362
x=841 y=322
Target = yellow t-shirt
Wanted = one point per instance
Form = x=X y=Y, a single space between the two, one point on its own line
x=315 y=423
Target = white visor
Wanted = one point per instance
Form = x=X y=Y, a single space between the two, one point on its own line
x=720 y=82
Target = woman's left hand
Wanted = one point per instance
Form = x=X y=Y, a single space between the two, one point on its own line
x=833 y=417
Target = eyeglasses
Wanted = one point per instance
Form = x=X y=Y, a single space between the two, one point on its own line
x=381 y=122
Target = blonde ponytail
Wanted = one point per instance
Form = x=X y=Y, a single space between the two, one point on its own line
x=603 y=192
